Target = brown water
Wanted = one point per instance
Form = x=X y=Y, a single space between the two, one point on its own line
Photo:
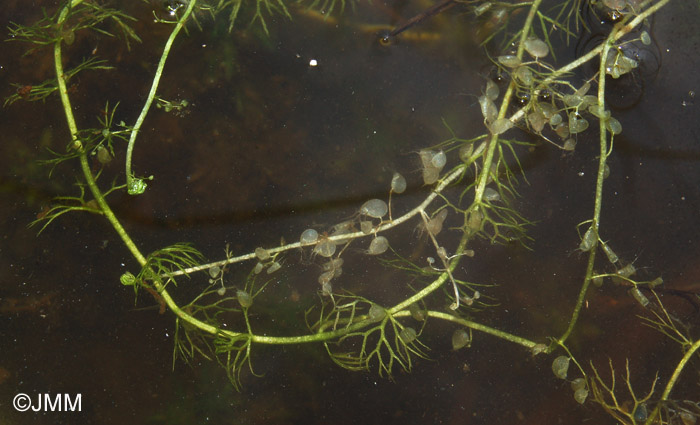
x=270 y=146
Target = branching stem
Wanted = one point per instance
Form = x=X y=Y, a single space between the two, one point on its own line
x=154 y=88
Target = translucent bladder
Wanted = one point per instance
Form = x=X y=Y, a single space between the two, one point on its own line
x=308 y=237
x=379 y=245
x=244 y=299
x=398 y=183
x=433 y=163
x=375 y=208
x=560 y=366
x=460 y=339
x=536 y=47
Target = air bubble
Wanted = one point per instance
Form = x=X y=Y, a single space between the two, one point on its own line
x=374 y=208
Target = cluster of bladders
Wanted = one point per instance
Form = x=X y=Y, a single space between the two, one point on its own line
x=326 y=245
x=369 y=218
x=368 y=221
x=565 y=114
x=560 y=368
x=622 y=276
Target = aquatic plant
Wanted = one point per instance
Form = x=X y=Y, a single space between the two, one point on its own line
x=475 y=179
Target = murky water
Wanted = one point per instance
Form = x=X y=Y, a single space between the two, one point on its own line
x=297 y=129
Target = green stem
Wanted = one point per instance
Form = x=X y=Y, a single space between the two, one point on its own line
x=78 y=145
x=597 y=207
x=679 y=368
x=327 y=336
x=61 y=79
x=435 y=284
x=605 y=150
x=398 y=310
x=672 y=382
x=505 y=105
x=601 y=50
x=92 y=184
x=152 y=93
x=618 y=34
x=483 y=328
